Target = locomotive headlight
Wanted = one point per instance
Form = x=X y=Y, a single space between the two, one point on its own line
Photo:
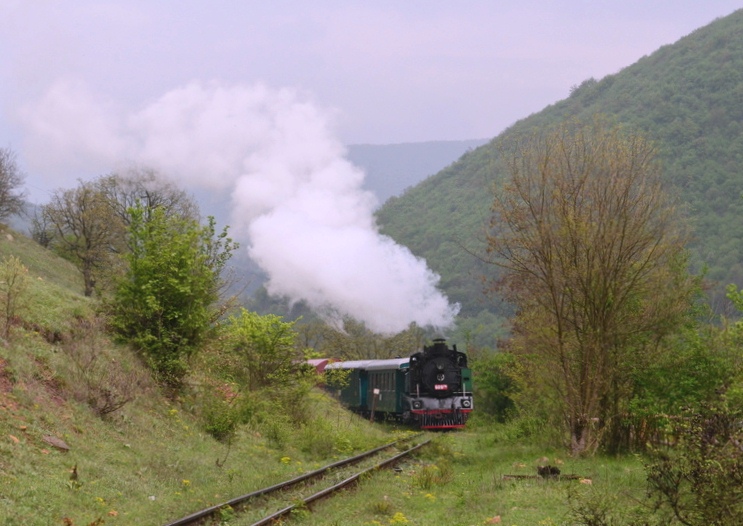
x=466 y=403
x=417 y=404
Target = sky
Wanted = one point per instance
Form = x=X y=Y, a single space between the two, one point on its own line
x=257 y=100
x=386 y=71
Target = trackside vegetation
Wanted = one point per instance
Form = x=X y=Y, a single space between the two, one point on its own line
x=136 y=389
x=166 y=301
x=593 y=255
x=94 y=432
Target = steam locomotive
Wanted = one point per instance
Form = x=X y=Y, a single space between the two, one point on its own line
x=431 y=389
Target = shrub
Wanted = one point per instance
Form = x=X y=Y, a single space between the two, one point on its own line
x=97 y=380
x=700 y=482
x=164 y=305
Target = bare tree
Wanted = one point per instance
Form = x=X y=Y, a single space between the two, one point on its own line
x=150 y=190
x=11 y=179
x=594 y=256
x=88 y=224
x=87 y=230
x=41 y=230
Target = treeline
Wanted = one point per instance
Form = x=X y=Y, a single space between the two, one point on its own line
x=164 y=286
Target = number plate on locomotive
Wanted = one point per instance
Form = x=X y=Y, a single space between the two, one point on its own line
x=441 y=387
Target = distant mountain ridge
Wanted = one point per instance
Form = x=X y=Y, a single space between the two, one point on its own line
x=391 y=168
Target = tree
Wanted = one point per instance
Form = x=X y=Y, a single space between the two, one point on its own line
x=265 y=350
x=42 y=231
x=166 y=302
x=11 y=179
x=594 y=259
x=145 y=187
x=14 y=282
x=88 y=224
x=87 y=231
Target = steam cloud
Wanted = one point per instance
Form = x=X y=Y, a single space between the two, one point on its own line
x=301 y=204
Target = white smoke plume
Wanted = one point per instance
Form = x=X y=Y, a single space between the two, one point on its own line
x=309 y=223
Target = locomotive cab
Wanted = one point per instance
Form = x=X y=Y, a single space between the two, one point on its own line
x=439 y=387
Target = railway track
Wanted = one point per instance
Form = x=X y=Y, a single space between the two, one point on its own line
x=338 y=472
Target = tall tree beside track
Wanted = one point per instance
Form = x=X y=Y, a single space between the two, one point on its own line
x=166 y=302
x=594 y=257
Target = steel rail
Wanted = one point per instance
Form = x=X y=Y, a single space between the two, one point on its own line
x=237 y=501
x=332 y=489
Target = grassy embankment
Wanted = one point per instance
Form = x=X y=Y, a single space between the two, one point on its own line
x=460 y=482
x=150 y=462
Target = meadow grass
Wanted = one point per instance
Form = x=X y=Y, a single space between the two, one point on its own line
x=460 y=482
x=151 y=461
x=148 y=462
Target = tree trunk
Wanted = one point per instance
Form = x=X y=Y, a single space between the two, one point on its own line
x=578 y=436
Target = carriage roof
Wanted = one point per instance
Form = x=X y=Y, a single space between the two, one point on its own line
x=372 y=365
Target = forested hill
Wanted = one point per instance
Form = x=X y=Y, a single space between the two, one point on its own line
x=688 y=97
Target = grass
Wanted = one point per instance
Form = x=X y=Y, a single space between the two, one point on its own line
x=42 y=265
x=151 y=461
x=146 y=463
x=460 y=482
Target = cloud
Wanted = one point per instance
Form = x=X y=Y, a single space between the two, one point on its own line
x=309 y=223
x=70 y=131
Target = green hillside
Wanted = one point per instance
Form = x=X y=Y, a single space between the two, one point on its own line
x=152 y=462
x=67 y=457
x=687 y=97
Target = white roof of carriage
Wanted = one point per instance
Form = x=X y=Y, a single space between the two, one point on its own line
x=372 y=365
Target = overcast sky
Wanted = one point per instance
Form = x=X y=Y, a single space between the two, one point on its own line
x=385 y=71
x=258 y=98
